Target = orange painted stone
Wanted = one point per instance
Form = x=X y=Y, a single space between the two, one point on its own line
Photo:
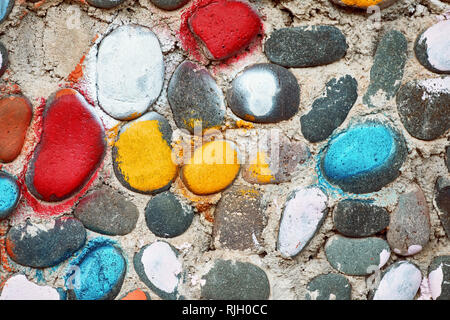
x=15 y=117
x=137 y=294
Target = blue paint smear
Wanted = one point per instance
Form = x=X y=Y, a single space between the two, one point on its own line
x=9 y=193
x=3 y=8
x=40 y=276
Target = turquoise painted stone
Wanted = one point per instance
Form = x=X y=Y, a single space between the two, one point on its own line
x=6 y=7
x=9 y=194
x=364 y=158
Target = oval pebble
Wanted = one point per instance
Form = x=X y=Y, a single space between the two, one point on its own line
x=130 y=53
x=447 y=157
x=264 y=93
x=9 y=194
x=329 y=286
x=105 y=4
x=18 y=287
x=3 y=59
x=159 y=267
x=6 y=7
x=303 y=214
x=357 y=257
x=364 y=4
x=442 y=199
x=46 y=244
x=439 y=278
x=169 y=5
x=137 y=294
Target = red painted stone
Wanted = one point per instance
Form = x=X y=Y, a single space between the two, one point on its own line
x=15 y=117
x=225 y=27
x=71 y=148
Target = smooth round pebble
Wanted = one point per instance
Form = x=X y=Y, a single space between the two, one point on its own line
x=9 y=194
x=442 y=199
x=439 y=278
x=6 y=7
x=169 y=5
x=329 y=286
x=18 y=287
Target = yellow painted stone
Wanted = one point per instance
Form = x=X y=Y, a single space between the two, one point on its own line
x=212 y=168
x=361 y=3
x=259 y=168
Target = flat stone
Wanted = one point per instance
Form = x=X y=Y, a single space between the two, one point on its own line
x=234 y=280
x=431 y=47
x=439 y=278
x=105 y=4
x=142 y=156
x=224 y=28
x=159 y=267
x=9 y=194
x=97 y=273
x=72 y=147
x=195 y=98
x=6 y=7
x=239 y=220
x=359 y=218
x=3 y=58
x=306 y=46
x=424 y=107
x=264 y=93
x=357 y=257
x=169 y=5
x=42 y=245
x=410 y=228
x=15 y=117
x=400 y=281
x=137 y=294
x=329 y=286
x=130 y=71
x=330 y=110
x=442 y=198
x=303 y=214
x=18 y=287
x=387 y=70
x=107 y=212
x=167 y=216
x=364 y=158
x=364 y=4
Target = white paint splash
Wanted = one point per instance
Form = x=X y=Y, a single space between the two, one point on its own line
x=438 y=45
x=19 y=288
x=435 y=279
x=413 y=249
x=384 y=257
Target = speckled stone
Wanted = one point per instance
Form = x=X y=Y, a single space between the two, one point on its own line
x=105 y=4
x=234 y=280
x=169 y=4
x=447 y=157
x=195 y=98
x=424 y=107
x=306 y=46
x=265 y=93
x=9 y=194
x=364 y=4
x=359 y=218
x=239 y=220
x=442 y=198
x=42 y=245
x=439 y=278
x=303 y=214
x=329 y=286
x=357 y=257
x=3 y=58
x=387 y=70
x=18 y=287
x=410 y=228
x=6 y=7
x=107 y=212
x=330 y=110
x=167 y=216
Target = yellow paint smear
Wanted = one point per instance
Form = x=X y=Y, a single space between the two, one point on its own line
x=361 y=3
x=259 y=169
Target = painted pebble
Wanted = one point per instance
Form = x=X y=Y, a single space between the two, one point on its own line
x=142 y=156
x=359 y=218
x=6 y=7
x=3 y=58
x=306 y=46
x=442 y=199
x=97 y=273
x=105 y=4
x=18 y=287
x=329 y=286
x=409 y=229
x=264 y=93
x=167 y=216
x=72 y=146
x=234 y=280
x=365 y=4
x=137 y=294
x=195 y=98
x=42 y=245
x=159 y=267
x=303 y=215
x=15 y=117
x=439 y=278
x=130 y=72
x=107 y=212
x=169 y=4
x=9 y=194
x=330 y=110
x=357 y=257
x=364 y=158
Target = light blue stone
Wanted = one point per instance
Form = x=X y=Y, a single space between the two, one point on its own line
x=5 y=8
x=9 y=194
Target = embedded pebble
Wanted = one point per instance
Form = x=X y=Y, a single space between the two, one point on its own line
x=439 y=278
x=130 y=71
x=9 y=194
x=234 y=280
x=330 y=110
x=364 y=4
x=46 y=244
x=357 y=257
x=3 y=58
x=107 y=212
x=142 y=156
x=329 y=286
x=15 y=117
x=306 y=46
x=159 y=267
x=195 y=98
x=169 y=4
x=167 y=216
x=424 y=107
x=137 y=294
x=364 y=158
x=18 y=287
x=410 y=228
x=303 y=215
x=442 y=198
x=6 y=7
x=400 y=281
x=72 y=146
x=97 y=273
x=387 y=70
x=359 y=218
x=447 y=157
x=264 y=93
x=105 y=4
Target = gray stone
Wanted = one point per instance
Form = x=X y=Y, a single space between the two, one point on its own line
x=3 y=59
x=105 y=4
x=439 y=278
x=169 y=4
x=442 y=198
x=447 y=157
x=329 y=286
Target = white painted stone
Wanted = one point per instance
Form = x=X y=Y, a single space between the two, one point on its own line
x=435 y=279
x=19 y=288
x=438 y=45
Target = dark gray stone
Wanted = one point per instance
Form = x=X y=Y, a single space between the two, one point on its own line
x=442 y=198
x=329 y=111
x=6 y=7
x=105 y=4
x=3 y=58
x=306 y=46
x=439 y=278
x=329 y=286
x=447 y=157
x=169 y=4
